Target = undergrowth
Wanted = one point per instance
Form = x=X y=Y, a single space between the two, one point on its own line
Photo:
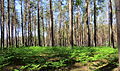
x=42 y=58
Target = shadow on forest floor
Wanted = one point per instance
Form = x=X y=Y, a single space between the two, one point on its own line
x=111 y=66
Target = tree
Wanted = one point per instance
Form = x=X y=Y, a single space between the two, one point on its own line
x=117 y=3
x=88 y=21
x=9 y=22
x=71 y=21
x=95 y=26
x=12 y=23
x=51 y=21
x=39 y=38
x=60 y=21
x=22 y=22
x=43 y=26
x=0 y=19
x=111 y=23
x=2 y=25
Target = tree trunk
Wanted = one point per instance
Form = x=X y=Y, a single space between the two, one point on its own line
x=111 y=22
x=88 y=22
x=9 y=23
x=22 y=23
x=71 y=21
x=2 y=26
x=43 y=27
x=51 y=19
x=1 y=21
x=39 y=37
x=117 y=3
x=60 y=21
x=95 y=26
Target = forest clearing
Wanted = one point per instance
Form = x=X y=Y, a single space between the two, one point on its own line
x=59 y=35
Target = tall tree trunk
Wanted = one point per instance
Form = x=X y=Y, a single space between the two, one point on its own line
x=12 y=25
x=35 y=30
x=43 y=26
x=25 y=21
x=60 y=22
x=15 y=25
x=2 y=27
x=111 y=22
x=9 y=41
x=39 y=37
x=51 y=19
x=1 y=21
x=22 y=23
x=117 y=3
x=29 y=27
x=88 y=22
x=71 y=22
x=95 y=26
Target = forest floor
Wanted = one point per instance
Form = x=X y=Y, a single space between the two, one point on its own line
x=59 y=59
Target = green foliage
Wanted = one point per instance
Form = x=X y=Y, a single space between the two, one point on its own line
x=37 y=58
x=78 y=2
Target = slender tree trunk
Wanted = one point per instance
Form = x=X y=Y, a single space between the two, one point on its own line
x=22 y=23
x=12 y=30
x=16 y=36
x=51 y=19
x=71 y=22
x=1 y=21
x=25 y=21
x=88 y=22
x=95 y=26
x=117 y=3
x=8 y=23
x=43 y=27
x=111 y=22
x=29 y=25
x=39 y=37
x=15 y=26
x=60 y=19
x=2 y=27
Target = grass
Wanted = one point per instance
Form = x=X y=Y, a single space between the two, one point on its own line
x=50 y=58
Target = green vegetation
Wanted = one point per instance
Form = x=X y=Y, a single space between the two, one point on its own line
x=48 y=58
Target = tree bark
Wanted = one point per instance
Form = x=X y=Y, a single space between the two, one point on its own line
x=22 y=23
x=2 y=26
x=71 y=22
x=39 y=37
x=111 y=22
x=88 y=22
x=95 y=26
x=9 y=23
x=117 y=3
x=51 y=19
